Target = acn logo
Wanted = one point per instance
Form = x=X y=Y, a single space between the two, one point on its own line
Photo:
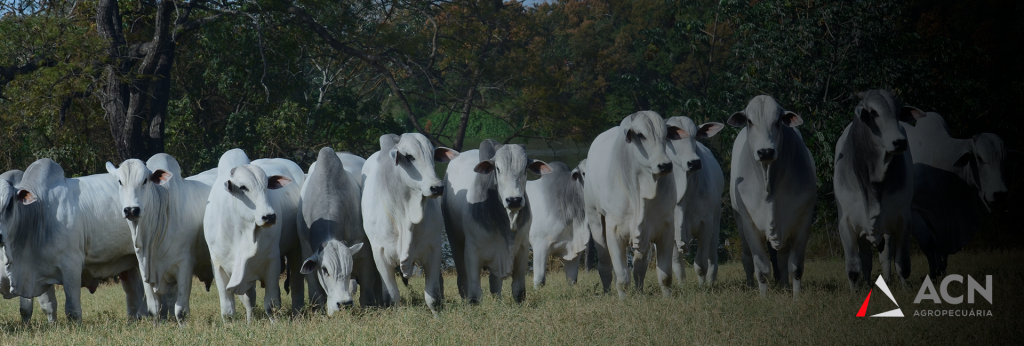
x=880 y=284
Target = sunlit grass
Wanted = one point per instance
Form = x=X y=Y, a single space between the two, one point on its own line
x=728 y=313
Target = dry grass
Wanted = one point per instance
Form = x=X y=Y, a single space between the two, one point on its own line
x=729 y=313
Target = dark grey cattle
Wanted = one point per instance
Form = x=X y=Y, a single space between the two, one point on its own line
x=772 y=186
x=330 y=229
x=956 y=182
x=47 y=301
x=874 y=186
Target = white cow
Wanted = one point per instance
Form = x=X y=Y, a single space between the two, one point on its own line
x=67 y=232
x=250 y=223
x=47 y=301
x=770 y=164
x=487 y=216
x=330 y=229
x=630 y=198
x=559 y=225
x=699 y=186
x=164 y=212
x=401 y=213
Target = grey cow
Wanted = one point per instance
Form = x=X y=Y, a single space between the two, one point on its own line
x=699 y=185
x=487 y=216
x=47 y=301
x=559 y=223
x=330 y=230
x=874 y=186
x=772 y=187
x=956 y=182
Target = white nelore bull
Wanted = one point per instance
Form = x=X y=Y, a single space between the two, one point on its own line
x=559 y=226
x=874 y=187
x=47 y=301
x=487 y=216
x=699 y=186
x=773 y=191
x=401 y=212
x=630 y=197
x=330 y=230
x=164 y=212
x=67 y=232
x=249 y=224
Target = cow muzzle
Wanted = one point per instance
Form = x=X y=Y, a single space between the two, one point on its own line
x=132 y=213
x=514 y=203
x=664 y=168
x=268 y=220
x=899 y=146
x=767 y=154
x=693 y=165
x=436 y=191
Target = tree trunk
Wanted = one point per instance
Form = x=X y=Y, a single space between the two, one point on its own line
x=467 y=106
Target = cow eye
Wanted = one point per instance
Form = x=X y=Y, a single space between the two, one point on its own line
x=243 y=189
x=410 y=158
x=641 y=136
x=119 y=183
x=325 y=272
x=144 y=181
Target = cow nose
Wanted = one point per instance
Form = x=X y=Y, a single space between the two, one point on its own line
x=765 y=154
x=437 y=190
x=132 y=212
x=514 y=202
x=693 y=165
x=345 y=304
x=269 y=219
x=899 y=145
x=665 y=168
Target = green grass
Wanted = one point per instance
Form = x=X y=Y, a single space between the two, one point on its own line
x=729 y=313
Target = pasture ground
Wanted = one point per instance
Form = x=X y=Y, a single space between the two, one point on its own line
x=728 y=313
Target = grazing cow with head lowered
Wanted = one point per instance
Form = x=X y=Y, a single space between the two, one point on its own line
x=699 y=186
x=47 y=301
x=956 y=182
x=630 y=196
x=401 y=212
x=874 y=186
x=67 y=232
x=772 y=187
x=164 y=212
x=330 y=226
x=249 y=225
x=559 y=226
x=487 y=216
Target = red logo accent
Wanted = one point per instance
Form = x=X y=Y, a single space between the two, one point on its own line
x=864 y=307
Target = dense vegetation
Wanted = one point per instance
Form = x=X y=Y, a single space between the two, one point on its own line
x=87 y=81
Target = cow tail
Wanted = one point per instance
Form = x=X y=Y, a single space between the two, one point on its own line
x=287 y=275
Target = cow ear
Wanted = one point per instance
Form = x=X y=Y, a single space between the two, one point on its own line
x=539 y=167
x=791 y=119
x=908 y=114
x=111 y=169
x=964 y=160
x=26 y=197
x=738 y=119
x=229 y=186
x=275 y=182
x=577 y=176
x=394 y=155
x=355 y=248
x=484 y=167
x=627 y=128
x=708 y=130
x=309 y=265
x=160 y=176
x=442 y=154
x=676 y=133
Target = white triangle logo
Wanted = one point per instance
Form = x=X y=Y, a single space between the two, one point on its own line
x=885 y=289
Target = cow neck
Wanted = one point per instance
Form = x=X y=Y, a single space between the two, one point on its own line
x=868 y=164
x=401 y=202
x=642 y=182
x=151 y=235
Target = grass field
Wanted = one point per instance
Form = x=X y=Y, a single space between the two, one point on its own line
x=729 y=313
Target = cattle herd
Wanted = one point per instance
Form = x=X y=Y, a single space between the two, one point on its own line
x=648 y=187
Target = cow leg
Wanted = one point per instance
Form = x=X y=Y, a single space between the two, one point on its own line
x=387 y=274
x=137 y=295
x=678 y=265
x=227 y=300
x=604 y=266
x=48 y=303
x=540 y=263
x=572 y=269
x=666 y=250
x=640 y=263
x=746 y=256
x=432 y=288
x=494 y=283
x=184 y=292
x=866 y=260
x=272 y=294
x=901 y=245
x=25 y=309
x=796 y=262
x=73 y=296
x=458 y=248
x=616 y=250
x=520 y=266
x=851 y=253
x=702 y=259
x=782 y=268
x=885 y=258
x=473 y=289
x=295 y=289
x=249 y=301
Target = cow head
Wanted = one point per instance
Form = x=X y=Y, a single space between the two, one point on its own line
x=137 y=187
x=508 y=166
x=764 y=119
x=648 y=135
x=332 y=264
x=416 y=156
x=579 y=174
x=249 y=184
x=685 y=149
x=881 y=113
x=984 y=158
